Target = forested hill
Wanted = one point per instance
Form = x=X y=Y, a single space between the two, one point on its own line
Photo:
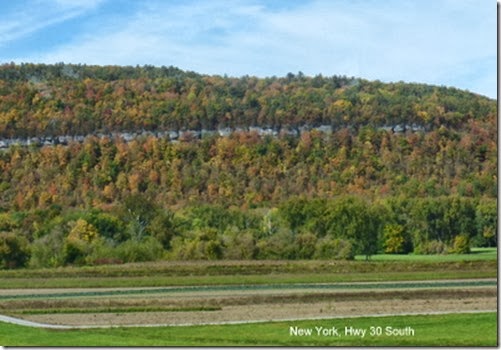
x=54 y=100
x=307 y=167
x=381 y=139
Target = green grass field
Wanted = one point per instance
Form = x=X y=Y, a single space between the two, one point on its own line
x=481 y=264
x=436 y=330
x=148 y=281
x=432 y=330
x=475 y=255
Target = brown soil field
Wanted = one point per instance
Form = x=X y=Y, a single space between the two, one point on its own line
x=220 y=299
x=275 y=311
x=253 y=305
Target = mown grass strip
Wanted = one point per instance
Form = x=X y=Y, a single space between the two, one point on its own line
x=394 y=285
x=188 y=280
x=477 y=254
x=479 y=329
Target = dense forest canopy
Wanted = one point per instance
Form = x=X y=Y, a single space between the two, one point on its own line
x=64 y=99
x=401 y=167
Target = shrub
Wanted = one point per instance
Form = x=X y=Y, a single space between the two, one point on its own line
x=395 y=241
x=461 y=244
x=305 y=245
x=162 y=228
x=205 y=245
x=431 y=247
x=78 y=244
x=74 y=252
x=213 y=250
x=149 y=249
x=14 y=250
x=102 y=252
x=278 y=246
x=47 y=251
x=107 y=225
x=336 y=249
x=239 y=245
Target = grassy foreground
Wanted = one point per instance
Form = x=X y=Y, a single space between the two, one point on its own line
x=435 y=330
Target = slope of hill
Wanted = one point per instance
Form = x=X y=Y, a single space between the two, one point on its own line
x=270 y=166
x=39 y=100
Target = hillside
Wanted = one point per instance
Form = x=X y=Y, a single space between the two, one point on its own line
x=55 y=100
x=197 y=166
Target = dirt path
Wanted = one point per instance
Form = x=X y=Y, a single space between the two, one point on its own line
x=21 y=322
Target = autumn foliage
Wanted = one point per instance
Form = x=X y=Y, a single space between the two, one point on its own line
x=402 y=167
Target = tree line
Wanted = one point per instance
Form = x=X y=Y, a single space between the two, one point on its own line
x=299 y=228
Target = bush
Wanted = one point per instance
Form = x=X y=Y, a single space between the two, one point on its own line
x=103 y=252
x=47 y=251
x=336 y=249
x=305 y=245
x=78 y=244
x=431 y=247
x=14 y=250
x=205 y=245
x=148 y=249
x=107 y=225
x=74 y=252
x=461 y=245
x=395 y=241
x=278 y=246
x=239 y=245
x=162 y=228
x=180 y=249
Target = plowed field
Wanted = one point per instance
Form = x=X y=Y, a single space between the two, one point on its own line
x=249 y=303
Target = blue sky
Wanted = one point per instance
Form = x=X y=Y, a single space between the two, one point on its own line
x=442 y=42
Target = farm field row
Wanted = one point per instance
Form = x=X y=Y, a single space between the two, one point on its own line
x=244 y=303
x=234 y=289
x=172 y=273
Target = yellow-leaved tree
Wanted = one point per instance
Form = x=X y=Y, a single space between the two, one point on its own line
x=77 y=244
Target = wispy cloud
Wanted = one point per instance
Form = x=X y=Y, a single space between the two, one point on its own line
x=25 y=19
x=433 y=41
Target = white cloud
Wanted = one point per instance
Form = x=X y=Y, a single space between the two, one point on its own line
x=30 y=18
